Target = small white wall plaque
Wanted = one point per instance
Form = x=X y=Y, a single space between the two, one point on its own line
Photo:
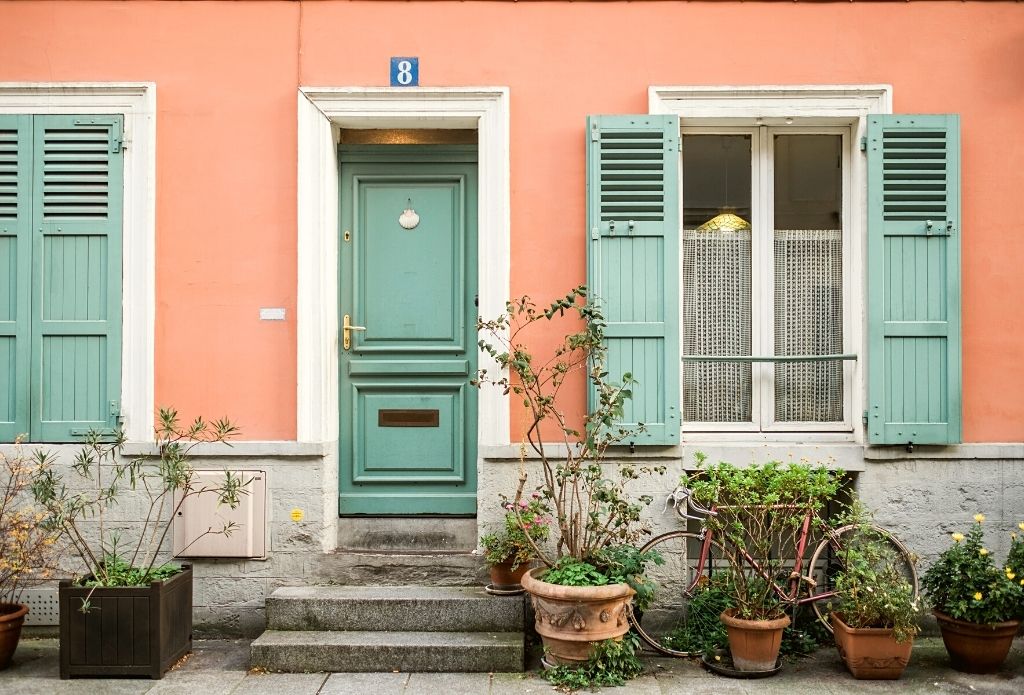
x=271 y=314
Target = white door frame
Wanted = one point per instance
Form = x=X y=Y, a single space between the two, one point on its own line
x=322 y=111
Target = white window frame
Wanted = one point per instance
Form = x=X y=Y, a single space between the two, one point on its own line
x=801 y=107
x=136 y=102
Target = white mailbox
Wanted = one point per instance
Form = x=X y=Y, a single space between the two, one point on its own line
x=199 y=523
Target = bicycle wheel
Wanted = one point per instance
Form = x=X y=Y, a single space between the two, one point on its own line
x=671 y=624
x=826 y=563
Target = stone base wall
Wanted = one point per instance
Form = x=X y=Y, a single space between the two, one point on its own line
x=921 y=496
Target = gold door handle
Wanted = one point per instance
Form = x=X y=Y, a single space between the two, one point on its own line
x=346 y=331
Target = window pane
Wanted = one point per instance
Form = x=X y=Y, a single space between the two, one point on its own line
x=808 y=276
x=716 y=276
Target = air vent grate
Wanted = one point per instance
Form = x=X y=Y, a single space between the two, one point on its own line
x=43 y=606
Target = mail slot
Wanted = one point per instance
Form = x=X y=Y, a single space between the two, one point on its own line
x=408 y=418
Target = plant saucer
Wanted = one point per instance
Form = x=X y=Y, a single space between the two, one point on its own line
x=501 y=590
x=720 y=662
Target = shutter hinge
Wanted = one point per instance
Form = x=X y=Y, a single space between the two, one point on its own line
x=115 y=411
x=863 y=143
x=864 y=418
x=595 y=133
x=595 y=233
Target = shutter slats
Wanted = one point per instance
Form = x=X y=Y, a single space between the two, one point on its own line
x=914 y=382
x=632 y=259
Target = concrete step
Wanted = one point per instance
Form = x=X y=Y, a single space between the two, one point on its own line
x=444 y=652
x=407 y=534
x=396 y=569
x=398 y=608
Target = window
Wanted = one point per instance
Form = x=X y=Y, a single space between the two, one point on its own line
x=763 y=262
x=61 y=209
x=863 y=258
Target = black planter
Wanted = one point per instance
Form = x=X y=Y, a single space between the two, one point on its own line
x=128 y=631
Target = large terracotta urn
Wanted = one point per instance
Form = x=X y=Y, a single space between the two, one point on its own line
x=572 y=619
x=976 y=648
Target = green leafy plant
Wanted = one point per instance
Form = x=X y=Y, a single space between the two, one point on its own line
x=78 y=508
x=871 y=588
x=965 y=583
x=759 y=514
x=27 y=545
x=591 y=509
x=525 y=525
x=612 y=663
x=702 y=632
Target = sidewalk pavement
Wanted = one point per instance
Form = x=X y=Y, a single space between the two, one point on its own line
x=220 y=667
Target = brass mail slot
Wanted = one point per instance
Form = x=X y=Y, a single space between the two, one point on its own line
x=408 y=418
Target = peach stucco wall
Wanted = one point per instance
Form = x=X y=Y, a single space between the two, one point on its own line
x=226 y=200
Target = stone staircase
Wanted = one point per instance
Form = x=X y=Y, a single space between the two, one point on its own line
x=391 y=628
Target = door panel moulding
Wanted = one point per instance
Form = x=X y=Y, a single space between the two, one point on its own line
x=322 y=112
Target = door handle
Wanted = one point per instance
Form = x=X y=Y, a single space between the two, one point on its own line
x=346 y=331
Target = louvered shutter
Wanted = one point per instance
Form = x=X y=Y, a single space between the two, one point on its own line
x=914 y=388
x=76 y=299
x=15 y=273
x=633 y=261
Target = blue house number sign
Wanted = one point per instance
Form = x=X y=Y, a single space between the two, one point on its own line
x=405 y=72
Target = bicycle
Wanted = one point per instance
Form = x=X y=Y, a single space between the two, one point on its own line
x=693 y=558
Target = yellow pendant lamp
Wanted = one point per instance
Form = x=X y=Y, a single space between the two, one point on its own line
x=725 y=221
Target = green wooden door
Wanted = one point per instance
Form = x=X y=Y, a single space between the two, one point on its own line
x=408 y=413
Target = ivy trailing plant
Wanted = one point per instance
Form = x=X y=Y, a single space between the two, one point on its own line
x=78 y=506
x=612 y=663
x=595 y=518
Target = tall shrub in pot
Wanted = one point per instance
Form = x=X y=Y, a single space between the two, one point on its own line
x=116 y=564
x=978 y=604
x=584 y=589
x=759 y=513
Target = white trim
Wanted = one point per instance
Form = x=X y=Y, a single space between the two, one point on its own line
x=136 y=101
x=801 y=105
x=321 y=111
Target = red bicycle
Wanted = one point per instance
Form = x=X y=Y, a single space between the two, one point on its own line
x=693 y=558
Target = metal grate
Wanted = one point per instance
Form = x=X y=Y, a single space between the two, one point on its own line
x=43 y=606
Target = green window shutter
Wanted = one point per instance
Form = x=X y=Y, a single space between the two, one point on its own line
x=15 y=273
x=914 y=390
x=76 y=280
x=633 y=261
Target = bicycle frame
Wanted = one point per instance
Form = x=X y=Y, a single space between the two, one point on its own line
x=792 y=596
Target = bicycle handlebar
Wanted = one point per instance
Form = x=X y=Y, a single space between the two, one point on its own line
x=683 y=497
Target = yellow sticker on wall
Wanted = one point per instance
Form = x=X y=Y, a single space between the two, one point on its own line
x=297 y=514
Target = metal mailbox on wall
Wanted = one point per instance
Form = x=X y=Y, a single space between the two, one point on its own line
x=200 y=522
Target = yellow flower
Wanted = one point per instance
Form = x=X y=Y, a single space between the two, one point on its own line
x=979 y=518
x=1021 y=526
x=983 y=552
x=1009 y=573
x=957 y=537
x=977 y=595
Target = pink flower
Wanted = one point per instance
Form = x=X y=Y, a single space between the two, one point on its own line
x=522 y=503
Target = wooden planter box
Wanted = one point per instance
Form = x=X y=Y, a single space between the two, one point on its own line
x=128 y=631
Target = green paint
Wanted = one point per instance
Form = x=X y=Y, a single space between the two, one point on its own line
x=913 y=278
x=414 y=290
x=632 y=261
x=64 y=299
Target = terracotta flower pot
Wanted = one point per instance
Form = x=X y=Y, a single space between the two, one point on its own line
x=976 y=648
x=572 y=619
x=12 y=617
x=754 y=644
x=504 y=578
x=871 y=652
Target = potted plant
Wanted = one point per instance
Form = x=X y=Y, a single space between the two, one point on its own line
x=875 y=613
x=759 y=513
x=128 y=612
x=509 y=551
x=978 y=605
x=26 y=546
x=584 y=590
